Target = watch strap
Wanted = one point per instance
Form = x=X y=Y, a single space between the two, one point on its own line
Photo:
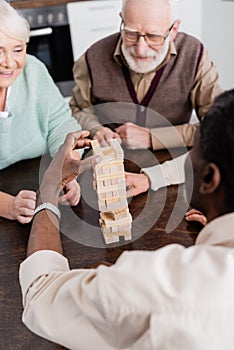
x=48 y=206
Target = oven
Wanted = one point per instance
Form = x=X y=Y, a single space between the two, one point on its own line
x=50 y=41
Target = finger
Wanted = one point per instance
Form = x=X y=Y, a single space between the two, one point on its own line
x=62 y=200
x=24 y=219
x=192 y=211
x=101 y=140
x=119 y=129
x=88 y=163
x=28 y=204
x=25 y=194
x=189 y=217
x=71 y=199
x=121 y=133
x=194 y=217
x=204 y=220
x=104 y=143
x=81 y=143
x=73 y=138
x=116 y=136
x=25 y=211
x=72 y=196
x=108 y=136
x=199 y=218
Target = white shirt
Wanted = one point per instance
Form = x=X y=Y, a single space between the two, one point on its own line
x=168 y=173
x=5 y=113
x=172 y=298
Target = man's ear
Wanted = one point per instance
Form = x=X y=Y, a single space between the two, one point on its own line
x=175 y=29
x=211 y=179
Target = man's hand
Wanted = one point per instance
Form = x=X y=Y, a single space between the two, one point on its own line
x=196 y=215
x=136 y=183
x=21 y=207
x=104 y=135
x=65 y=167
x=66 y=164
x=134 y=136
x=72 y=195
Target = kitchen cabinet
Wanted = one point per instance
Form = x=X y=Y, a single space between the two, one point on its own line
x=90 y=21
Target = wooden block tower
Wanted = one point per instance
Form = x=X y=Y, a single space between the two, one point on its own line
x=109 y=183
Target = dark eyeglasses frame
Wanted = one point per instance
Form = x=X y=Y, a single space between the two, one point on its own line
x=146 y=36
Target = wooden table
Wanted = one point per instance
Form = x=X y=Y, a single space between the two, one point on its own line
x=14 y=236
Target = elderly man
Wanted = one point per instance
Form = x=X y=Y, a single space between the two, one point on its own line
x=147 y=64
x=180 y=298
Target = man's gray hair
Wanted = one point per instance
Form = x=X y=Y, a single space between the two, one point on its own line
x=12 y=24
x=172 y=4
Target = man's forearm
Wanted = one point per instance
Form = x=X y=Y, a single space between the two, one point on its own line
x=64 y=167
x=45 y=233
x=169 y=173
x=173 y=136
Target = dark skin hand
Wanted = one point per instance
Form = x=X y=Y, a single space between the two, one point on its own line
x=65 y=166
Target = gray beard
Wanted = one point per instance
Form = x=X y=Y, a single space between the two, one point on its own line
x=145 y=67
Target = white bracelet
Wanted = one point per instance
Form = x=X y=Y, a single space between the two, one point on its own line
x=48 y=206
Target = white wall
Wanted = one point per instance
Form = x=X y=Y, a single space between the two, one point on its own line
x=190 y=14
x=212 y=21
x=218 y=36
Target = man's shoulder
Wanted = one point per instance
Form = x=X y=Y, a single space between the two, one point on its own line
x=185 y=38
x=188 y=46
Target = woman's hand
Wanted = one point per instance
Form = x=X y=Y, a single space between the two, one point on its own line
x=196 y=215
x=21 y=207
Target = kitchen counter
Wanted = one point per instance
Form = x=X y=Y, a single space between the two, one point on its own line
x=42 y=3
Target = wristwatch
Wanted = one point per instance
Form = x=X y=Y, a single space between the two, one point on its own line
x=48 y=206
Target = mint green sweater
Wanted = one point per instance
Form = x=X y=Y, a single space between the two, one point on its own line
x=39 y=118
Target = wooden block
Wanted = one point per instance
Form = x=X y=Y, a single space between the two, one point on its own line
x=124 y=223
x=111 y=239
x=117 y=148
x=115 y=215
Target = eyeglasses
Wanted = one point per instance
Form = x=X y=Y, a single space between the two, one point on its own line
x=150 y=39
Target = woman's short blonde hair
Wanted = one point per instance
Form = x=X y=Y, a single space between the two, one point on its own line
x=12 y=24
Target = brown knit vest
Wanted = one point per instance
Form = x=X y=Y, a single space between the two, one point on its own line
x=168 y=97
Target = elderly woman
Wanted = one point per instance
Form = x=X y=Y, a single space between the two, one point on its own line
x=34 y=118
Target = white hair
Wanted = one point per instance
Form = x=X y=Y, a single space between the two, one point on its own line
x=12 y=24
x=172 y=4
